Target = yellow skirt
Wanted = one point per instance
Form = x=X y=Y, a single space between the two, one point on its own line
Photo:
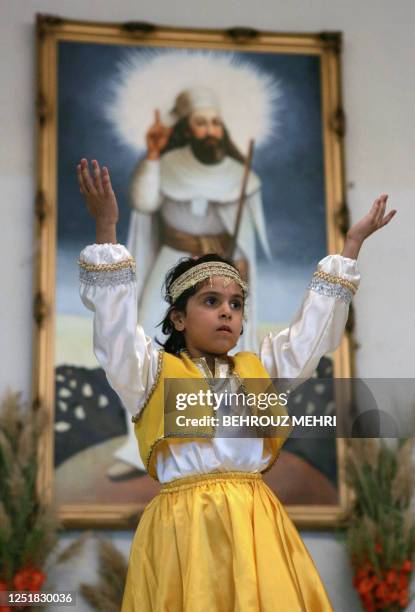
x=220 y=543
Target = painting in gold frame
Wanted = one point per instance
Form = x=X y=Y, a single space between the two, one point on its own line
x=299 y=144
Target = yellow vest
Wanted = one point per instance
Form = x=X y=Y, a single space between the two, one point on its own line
x=180 y=372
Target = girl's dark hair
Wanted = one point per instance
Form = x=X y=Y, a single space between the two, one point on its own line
x=176 y=341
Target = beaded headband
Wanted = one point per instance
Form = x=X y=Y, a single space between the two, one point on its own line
x=200 y=272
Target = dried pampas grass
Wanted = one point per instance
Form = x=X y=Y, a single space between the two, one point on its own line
x=29 y=523
x=106 y=595
x=381 y=532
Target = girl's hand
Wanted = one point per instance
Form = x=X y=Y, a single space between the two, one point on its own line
x=157 y=137
x=370 y=223
x=99 y=196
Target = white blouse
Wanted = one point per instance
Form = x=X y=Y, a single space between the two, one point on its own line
x=129 y=357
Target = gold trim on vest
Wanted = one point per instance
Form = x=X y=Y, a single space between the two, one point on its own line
x=246 y=368
x=137 y=416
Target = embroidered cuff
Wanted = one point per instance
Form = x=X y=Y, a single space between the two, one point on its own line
x=332 y=286
x=104 y=275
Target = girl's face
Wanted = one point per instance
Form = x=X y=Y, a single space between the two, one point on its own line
x=213 y=320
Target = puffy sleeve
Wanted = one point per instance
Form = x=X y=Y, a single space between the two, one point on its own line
x=108 y=288
x=318 y=326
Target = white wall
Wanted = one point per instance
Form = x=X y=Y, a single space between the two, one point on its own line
x=379 y=98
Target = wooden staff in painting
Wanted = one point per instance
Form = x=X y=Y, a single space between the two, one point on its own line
x=247 y=167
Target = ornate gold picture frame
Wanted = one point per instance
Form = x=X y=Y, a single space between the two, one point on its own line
x=299 y=144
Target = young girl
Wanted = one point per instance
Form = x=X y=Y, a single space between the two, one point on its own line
x=216 y=538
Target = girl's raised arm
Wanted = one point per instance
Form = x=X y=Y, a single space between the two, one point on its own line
x=108 y=288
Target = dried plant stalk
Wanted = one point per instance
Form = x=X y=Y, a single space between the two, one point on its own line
x=28 y=526
x=74 y=548
x=381 y=533
x=107 y=594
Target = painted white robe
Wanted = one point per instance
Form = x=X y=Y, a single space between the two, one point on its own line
x=199 y=199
